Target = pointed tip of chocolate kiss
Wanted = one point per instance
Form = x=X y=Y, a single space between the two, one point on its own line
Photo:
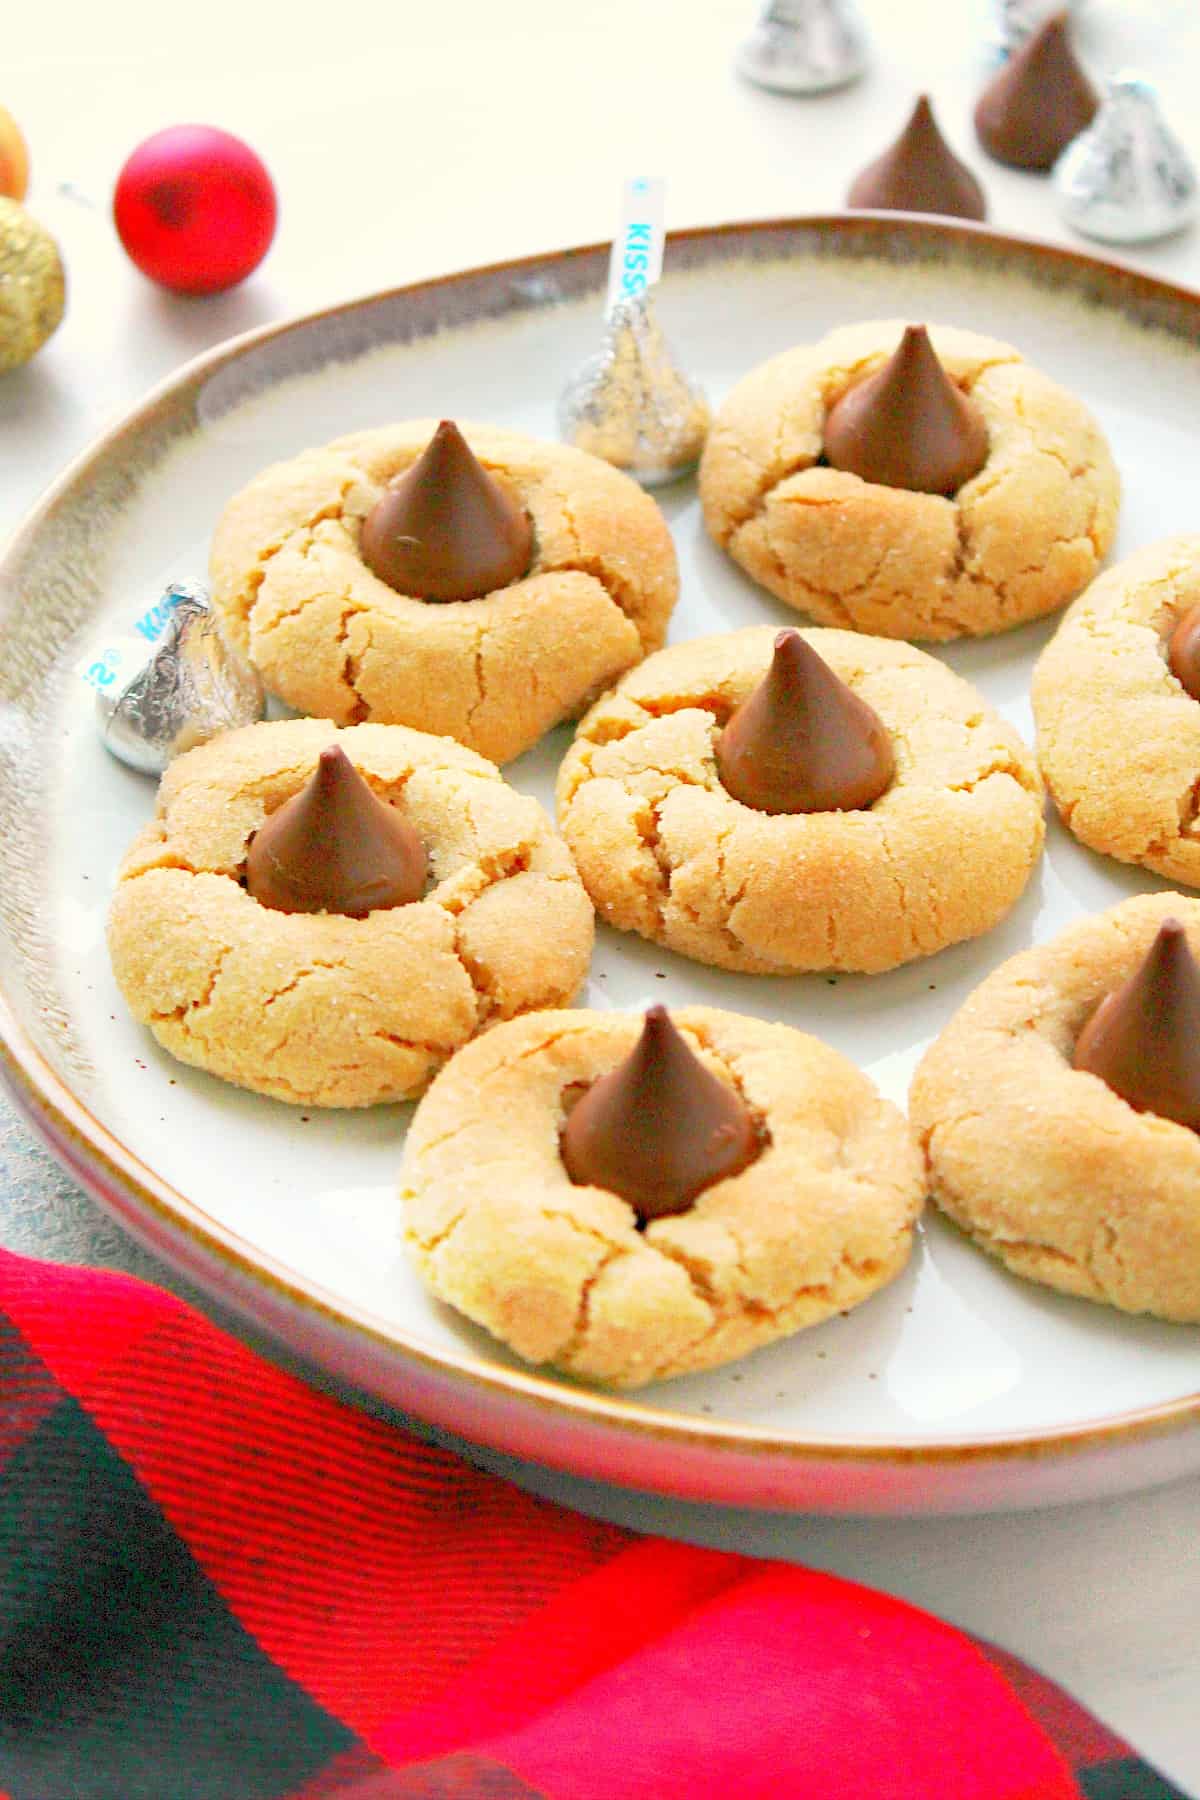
x=1183 y=652
x=660 y=1127
x=1037 y=102
x=802 y=741
x=446 y=529
x=908 y=425
x=1143 y=1039
x=334 y=847
x=919 y=173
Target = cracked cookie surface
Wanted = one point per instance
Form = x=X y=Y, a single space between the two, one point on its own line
x=316 y=1008
x=332 y=639
x=1118 y=737
x=562 y=1274
x=665 y=851
x=1046 y=1167
x=1018 y=540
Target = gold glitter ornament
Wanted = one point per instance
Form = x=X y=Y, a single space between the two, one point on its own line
x=32 y=285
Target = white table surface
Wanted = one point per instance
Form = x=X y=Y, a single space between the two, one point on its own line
x=406 y=141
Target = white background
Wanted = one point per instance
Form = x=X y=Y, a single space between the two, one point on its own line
x=409 y=140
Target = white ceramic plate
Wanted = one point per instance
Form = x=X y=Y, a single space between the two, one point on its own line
x=959 y=1386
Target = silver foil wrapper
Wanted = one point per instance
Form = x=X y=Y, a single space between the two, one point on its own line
x=632 y=404
x=192 y=686
x=804 y=46
x=1127 y=177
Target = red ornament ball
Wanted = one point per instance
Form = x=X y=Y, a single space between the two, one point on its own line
x=195 y=209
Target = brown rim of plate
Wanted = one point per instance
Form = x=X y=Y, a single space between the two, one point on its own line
x=230 y=1268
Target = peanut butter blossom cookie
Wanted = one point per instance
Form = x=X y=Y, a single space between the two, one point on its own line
x=1116 y=698
x=1059 y=1110
x=325 y=916
x=909 y=483
x=803 y=800
x=629 y=1199
x=476 y=584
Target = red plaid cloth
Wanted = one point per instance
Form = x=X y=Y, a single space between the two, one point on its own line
x=217 y=1584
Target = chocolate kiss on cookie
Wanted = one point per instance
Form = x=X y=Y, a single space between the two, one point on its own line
x=802 y=741
x=919 y=173
x=908 y=426
x=446 y=529
x=1041 y=99
x=659 y=1128
x=1144 y=1038
x=334 y=847
x=1183 y=652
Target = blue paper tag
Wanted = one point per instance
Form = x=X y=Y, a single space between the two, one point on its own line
x=637 y=252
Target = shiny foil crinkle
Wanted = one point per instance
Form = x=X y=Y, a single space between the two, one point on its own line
x=804 y=46
x=632 y=404
x=1126 y=178
x=192 y=686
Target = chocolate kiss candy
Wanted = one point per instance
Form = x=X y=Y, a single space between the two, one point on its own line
x=445 y=530
x=1038 y=102
x=334 y=847
x=1183 y=652
x=802 y=741
x=908 y=426
x=1144 y=1039
x=919 y=173
x=659 y=1128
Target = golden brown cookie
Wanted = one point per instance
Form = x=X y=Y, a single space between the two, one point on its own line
x=1118 y=737
x=1044 y=1165
x=331 y=638
x=562 y=1274
x=317 y=1008
x=664 y=850
x=1019 y=539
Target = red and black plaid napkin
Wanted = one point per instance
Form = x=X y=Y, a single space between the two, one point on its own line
x=217 y=1584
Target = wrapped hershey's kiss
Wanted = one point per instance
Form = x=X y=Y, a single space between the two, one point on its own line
x=632 y=404
x=804 y=46
x=191 y=685
x=1127 y=178
x=1015 y=20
